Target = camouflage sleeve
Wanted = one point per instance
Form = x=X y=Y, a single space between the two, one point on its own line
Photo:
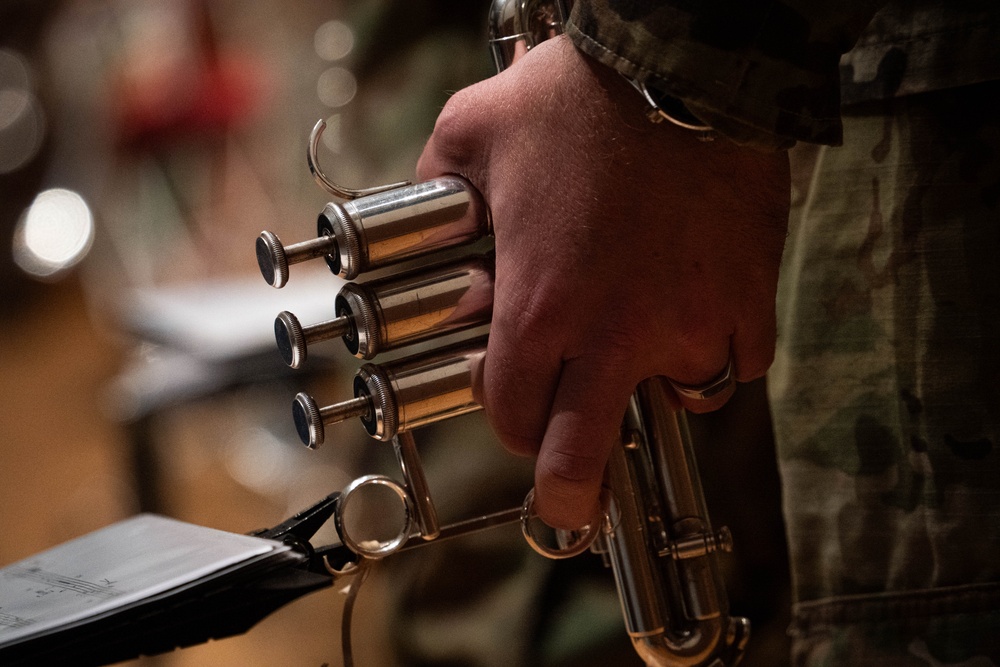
x=763 y=73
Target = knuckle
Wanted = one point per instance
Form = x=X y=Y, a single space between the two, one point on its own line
x=450 y=121
x=457 y=127
x=459 y=141
x=697 y=365
x=695 y=331
x=529 y=316
x=518 y=442
x=565 y=471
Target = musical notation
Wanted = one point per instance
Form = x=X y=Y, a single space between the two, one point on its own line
x=47 y=582
x=13 y=621
x=117 y=568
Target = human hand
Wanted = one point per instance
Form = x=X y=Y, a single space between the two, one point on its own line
x=624 y=250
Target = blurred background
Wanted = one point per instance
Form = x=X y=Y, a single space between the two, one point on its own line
x=143 y=146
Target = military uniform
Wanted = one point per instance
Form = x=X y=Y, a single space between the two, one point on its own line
x=884 y=392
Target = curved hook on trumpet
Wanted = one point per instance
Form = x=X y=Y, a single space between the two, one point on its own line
x=312 y=157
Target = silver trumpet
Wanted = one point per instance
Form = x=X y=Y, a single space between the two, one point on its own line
x=655 y=534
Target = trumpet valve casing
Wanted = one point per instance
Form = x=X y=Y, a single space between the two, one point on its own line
x=397 y=225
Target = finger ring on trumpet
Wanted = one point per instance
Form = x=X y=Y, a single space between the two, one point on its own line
x=710 y=389
x=571 y=542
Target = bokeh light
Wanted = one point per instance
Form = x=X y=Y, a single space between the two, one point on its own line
x=22 y=123
x=336 y=87
x=333 y=40
x=54 y=233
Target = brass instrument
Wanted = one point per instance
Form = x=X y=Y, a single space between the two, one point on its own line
x=656 y=534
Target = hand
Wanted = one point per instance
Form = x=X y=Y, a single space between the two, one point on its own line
x=624 y=250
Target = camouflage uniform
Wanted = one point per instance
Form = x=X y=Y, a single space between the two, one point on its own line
x=885 y=388
x=884 y=391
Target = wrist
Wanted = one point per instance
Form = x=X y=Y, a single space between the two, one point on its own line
x=739 y=122
x=665 y=107
x=655 y=104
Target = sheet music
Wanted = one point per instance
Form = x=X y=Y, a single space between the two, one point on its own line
x=113 y=568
